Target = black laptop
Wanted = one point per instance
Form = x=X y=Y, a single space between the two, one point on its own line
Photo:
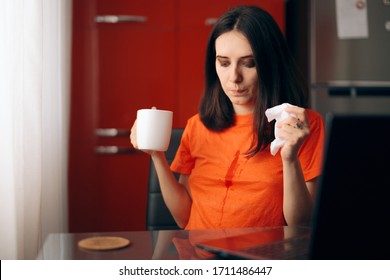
x=353 y=208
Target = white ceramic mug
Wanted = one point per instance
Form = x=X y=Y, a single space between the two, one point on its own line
x=154 y=128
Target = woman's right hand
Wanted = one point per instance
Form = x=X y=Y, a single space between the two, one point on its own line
x=133 y=135
x=133 y=141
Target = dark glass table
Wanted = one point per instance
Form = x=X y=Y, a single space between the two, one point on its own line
x=144 y=245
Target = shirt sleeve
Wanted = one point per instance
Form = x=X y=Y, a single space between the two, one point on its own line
x=311 y=152
x=183 y=162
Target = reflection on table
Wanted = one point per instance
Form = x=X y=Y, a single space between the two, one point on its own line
x=144 y=245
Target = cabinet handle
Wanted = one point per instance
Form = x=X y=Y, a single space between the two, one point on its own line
x=210 y=21
x=118 y=19
x=115 y=150
x=112 y=132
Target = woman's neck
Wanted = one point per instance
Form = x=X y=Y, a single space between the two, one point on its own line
x=243 y=109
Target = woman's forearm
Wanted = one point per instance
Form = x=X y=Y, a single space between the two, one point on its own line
x=297 y=200
x=176 y=196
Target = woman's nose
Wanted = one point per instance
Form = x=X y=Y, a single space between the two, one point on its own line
x=235 y=75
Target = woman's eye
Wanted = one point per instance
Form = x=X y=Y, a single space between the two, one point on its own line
x=224 y=63
x=249 y=63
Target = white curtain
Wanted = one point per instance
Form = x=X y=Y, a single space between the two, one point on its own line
x=35 y=43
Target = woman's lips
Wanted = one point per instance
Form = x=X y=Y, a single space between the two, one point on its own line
x=238 y=92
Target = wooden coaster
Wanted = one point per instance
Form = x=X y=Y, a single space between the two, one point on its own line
x=102 y=243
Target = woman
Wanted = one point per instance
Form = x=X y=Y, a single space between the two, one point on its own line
x=228 y=177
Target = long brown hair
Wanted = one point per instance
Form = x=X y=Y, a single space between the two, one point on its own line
x=279 y=78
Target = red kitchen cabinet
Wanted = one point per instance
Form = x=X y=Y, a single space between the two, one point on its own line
x=118 y=68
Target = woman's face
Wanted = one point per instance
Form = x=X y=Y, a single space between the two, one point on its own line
x=236 y=70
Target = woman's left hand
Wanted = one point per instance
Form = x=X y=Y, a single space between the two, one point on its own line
x=293 y=130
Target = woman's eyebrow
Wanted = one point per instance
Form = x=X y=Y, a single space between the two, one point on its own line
x=242 y=57
x=247 y=56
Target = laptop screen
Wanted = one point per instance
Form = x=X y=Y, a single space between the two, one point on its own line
x=353 y=207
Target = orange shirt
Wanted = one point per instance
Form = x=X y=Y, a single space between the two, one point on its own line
x=230 y=190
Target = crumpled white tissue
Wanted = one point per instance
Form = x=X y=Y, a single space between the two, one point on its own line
x=277 y=113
